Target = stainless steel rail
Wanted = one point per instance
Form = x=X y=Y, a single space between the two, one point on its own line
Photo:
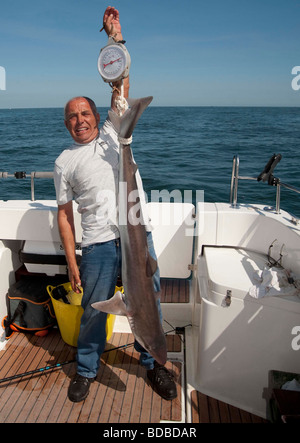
x=235 y=177
x=33 y=176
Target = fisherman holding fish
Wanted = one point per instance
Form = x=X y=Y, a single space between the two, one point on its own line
x=88 y=171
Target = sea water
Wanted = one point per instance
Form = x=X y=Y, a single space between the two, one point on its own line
x=177 y=149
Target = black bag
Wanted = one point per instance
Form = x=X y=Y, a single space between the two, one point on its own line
x=29 y=307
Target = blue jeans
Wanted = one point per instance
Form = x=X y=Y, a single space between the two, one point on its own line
x=99 y=269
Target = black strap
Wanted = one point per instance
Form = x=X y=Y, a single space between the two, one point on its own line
x=18 y=312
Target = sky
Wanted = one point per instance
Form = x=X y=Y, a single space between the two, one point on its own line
x=183 y=52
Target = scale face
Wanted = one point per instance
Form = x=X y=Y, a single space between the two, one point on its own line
x=113 y=62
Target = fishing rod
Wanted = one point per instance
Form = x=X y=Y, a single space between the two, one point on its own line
x=57 y=365
x=67 y=362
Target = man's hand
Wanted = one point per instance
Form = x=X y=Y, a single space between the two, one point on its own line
x=74 y=277
x=112 y=26
x=111 y=23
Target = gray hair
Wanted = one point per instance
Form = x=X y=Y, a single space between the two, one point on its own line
x=90 y=102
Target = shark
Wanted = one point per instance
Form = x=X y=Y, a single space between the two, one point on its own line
x=138 y=301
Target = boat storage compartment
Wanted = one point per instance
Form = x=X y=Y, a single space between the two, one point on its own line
x=242 y=338
x=45 y=257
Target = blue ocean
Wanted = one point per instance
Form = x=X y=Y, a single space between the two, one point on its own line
x=176 y=148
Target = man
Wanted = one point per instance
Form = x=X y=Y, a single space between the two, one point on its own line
x=88 y=172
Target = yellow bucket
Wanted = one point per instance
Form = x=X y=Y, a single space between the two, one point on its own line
x=68 y=316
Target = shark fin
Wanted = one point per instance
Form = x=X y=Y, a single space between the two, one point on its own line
x=114 y=305
x=134 y=167
x=151 y=266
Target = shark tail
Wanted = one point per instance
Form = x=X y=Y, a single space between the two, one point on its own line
x=126 y=123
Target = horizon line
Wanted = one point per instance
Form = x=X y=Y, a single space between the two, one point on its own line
x=163 y=106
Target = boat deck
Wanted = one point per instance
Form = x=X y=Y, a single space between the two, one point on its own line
x=120 y=393
x=174 y=290
x=209 y=410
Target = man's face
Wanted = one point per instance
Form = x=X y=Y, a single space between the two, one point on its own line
x=80 y=121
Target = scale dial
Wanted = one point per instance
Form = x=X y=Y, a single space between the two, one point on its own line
x=113 y=62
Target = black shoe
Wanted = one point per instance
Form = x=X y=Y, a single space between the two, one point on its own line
x=162 y=381
x=79 y=388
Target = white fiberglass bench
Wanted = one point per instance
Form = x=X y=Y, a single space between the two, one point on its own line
x=242 y=338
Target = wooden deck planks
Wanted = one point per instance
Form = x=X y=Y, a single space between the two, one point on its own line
x=174 y=290
x=30 y=386
x=209 y=410
x=120 y=393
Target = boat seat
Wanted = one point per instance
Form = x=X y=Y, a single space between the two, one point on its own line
x=233 y=269
x=237 y=332
x=173 y=229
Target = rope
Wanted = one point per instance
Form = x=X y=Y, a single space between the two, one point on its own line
x=121 y=106
x=125 y=141
x=121 y=102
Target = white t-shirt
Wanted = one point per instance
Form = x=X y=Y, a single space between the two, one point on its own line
x=89 y=173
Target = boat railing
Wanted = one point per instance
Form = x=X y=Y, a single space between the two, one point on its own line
x=265 y=175
x=33 y=176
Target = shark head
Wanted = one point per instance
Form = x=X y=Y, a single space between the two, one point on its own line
x=159 y=352
x=154 y=343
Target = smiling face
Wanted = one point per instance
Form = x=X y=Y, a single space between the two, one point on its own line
x=81 y=121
